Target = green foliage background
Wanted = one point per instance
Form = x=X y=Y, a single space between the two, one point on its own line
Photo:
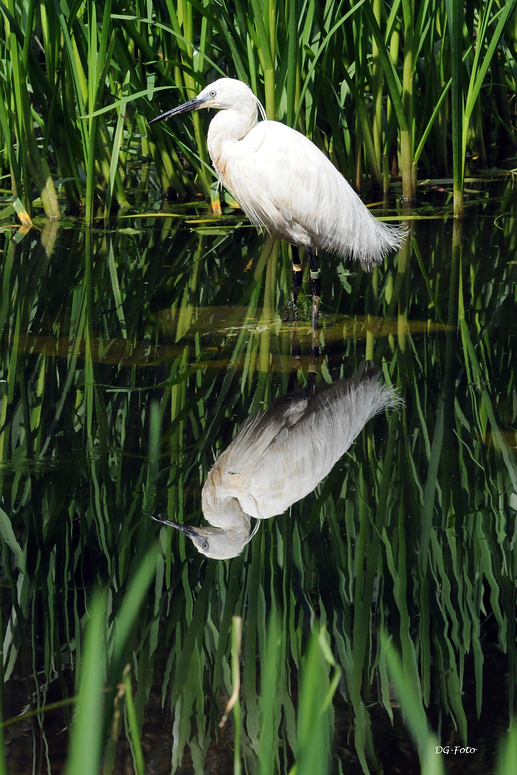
x=400 y=88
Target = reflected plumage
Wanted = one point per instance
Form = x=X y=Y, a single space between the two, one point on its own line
x=285 y=183
x=281 y=455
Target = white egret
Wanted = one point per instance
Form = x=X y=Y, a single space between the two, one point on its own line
x=281 y=455
x=284 y=183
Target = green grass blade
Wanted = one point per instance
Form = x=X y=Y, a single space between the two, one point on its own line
x=86 y=739
x=414 y=714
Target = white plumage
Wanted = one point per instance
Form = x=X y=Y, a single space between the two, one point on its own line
x=284 y=182
x=281 y=455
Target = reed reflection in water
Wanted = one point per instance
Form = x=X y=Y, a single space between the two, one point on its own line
x=414 y=536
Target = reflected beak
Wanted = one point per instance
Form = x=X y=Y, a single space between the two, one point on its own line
x=189 y=531
x=193 y=104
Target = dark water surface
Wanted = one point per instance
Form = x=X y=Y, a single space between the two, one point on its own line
x=129 y=358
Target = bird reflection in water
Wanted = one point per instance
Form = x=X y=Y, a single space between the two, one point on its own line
x=279 y=456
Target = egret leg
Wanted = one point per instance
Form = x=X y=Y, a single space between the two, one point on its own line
x=315 y=286
x=297 y=273
x=291 y=306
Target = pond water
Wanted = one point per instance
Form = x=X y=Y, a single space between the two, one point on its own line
x=130 y=357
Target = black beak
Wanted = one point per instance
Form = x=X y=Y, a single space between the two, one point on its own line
x=193 y=104
x=189 y=531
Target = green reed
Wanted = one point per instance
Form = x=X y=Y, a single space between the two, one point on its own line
x=381 y=87
x=413 y=710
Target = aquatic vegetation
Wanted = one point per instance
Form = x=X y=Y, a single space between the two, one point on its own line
x=127 y=360
x=388 y=90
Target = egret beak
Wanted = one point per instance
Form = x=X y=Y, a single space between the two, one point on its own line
x=189 y=531
x=193 y=104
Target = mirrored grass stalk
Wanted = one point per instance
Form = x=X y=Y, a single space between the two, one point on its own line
x=315 y=712
x=87 y=736
x=414 y=714
x=269 y=709
x=88 y=731
x=134 y=730
x=508 y=752
x=233 y=704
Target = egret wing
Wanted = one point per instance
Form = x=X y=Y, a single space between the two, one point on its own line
x=279 y=181
x=284 y=182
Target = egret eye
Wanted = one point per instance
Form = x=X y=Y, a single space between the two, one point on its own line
x=212 y=93
x=204 y=545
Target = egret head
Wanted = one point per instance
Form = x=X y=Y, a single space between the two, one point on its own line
x=224 y=94
x=212 y=541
